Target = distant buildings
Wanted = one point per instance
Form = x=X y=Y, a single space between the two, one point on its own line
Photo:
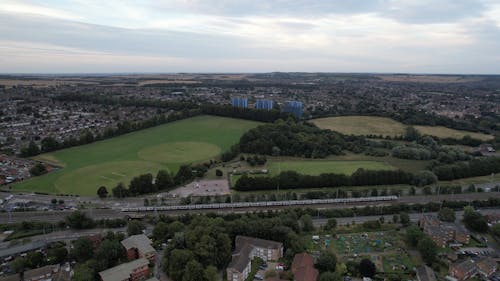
x=442 y=233
x=264 y=104
x=294 y=108
x=246 y=248
x=239 y=102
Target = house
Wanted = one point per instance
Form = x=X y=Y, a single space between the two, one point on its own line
x=492 y=218
x=486 y=267
x=139 y=246
x=135 y=270
x=46 y=273
x=425 y=273
x=303 y=268
x=463 y=270
x=246 y=248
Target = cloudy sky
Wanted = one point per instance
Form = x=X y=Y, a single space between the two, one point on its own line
x=96 y=36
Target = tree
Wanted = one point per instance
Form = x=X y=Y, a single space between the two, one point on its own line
x=327 y=261
x=412 y=134
x=135 y=227
x=330 y=276
x=79 y=220
x=474 y=220
x=34 y=259
x=108 y=254
x=446 y=214
x=56 y=255
x=427 y=249
x=18 y=264
x=176 y=263
x=367 y=268
x=413 y=235
x=141 y=184
x=102 y=192
x=164 y=180
x=423 y=178
x=83 y=249
x=160 y=231
x=219 y=173
x=193 y=271
x=38 y=170
x=210 y=273
x=395 y=218
x=307 y=223
x=495 y=229
x=331 y=224
x=84 y=272
x=184 y=174
x=31 y=150
x=404 y=218
x=120 y=191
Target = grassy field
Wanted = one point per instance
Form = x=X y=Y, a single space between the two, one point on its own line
x=119 y=159
x=372 y=125
x=316 y=167
x=361 y=125
x=313 y=167
x=443 y=132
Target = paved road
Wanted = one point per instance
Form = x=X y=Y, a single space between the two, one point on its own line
x=55 y=216
x=414 y=217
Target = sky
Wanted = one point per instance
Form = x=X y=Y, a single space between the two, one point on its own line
x=97 y=36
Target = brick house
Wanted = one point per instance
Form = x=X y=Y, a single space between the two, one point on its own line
x=139 y=246
x=135 y=270
x=303 y=268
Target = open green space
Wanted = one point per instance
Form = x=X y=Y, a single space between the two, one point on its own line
x=108 y=162
x=313 y=167
x=317 y=167
x=443 y=132
x=361 y=125
x=372 y=125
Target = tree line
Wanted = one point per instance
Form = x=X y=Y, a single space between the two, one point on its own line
x=294 y=180
x=245 y=113
x=473 y=168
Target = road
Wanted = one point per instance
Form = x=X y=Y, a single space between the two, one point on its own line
x=414 y=217
x=55 y=216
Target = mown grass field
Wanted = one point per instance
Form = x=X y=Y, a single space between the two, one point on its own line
x=372 y=125
x=315 y=167
x=361 y=125
x=443 y=132
x=119 y=159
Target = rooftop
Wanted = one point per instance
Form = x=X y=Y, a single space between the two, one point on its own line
x=141 y=242
x=122 y=272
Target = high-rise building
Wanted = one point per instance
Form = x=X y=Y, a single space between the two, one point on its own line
x=294 y=107
x=264 y=104
x=239 y=102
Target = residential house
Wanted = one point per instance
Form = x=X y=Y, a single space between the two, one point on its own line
x=486 y=267
x=463 y=270
x=46 y=273
x=139 y=246
x=135 y=270
x=443 y=233
x=303 y=268
x=425 y=273
x=246 y=248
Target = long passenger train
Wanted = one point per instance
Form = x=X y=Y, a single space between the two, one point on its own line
x=260 y=204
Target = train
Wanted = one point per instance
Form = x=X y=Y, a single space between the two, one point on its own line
x=216 y=206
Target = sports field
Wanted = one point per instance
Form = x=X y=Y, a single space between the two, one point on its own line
x=361 y=125
x=316 y=167
x=443 y=132
x=372 y=125
x=119 y=159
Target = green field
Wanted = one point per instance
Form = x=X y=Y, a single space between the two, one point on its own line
x=361 y=125
x=119 y=159
x=372 y=125
x=316 y=167
x=443 y=132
